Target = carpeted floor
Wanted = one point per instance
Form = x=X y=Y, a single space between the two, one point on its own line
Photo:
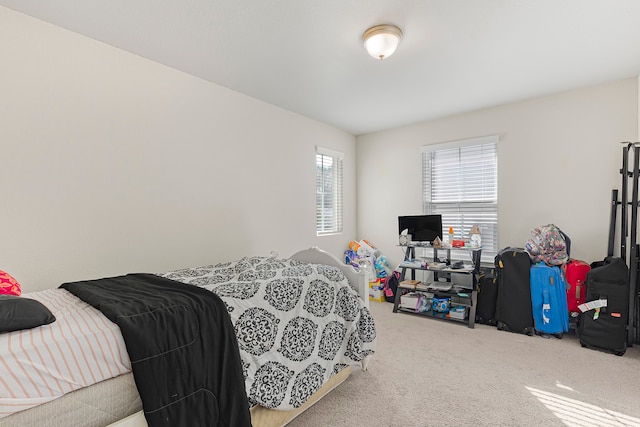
x=428 y=372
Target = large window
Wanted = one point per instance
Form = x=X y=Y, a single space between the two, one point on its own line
x=460 y=182
x=328 y=191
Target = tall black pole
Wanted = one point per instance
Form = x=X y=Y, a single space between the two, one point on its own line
x=633 y=260
x=612 y=222
x=624 y=202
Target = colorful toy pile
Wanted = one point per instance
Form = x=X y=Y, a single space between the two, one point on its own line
x=366 y=257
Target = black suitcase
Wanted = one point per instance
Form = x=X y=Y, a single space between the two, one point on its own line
x=487 y=299
x=606 y=328
x=513 y=307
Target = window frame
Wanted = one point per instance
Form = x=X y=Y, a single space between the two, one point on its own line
x=333 y=223
x=483 y=210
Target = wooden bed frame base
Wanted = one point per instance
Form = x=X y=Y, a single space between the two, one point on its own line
x=261 y=416
x=264 y=417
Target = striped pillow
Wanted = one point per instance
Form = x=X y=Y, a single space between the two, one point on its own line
x=9 y=285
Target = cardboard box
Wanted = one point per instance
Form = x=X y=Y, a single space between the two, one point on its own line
x=409 y=284
x=376 y=292
x=458 y=312
x=409 y=300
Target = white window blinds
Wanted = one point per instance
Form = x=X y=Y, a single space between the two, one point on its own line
x=328 y=191
x=460 y=182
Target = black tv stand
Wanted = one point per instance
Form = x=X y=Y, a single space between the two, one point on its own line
x=463 y=297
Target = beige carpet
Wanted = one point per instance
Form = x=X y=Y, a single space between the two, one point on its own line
x=428 y=372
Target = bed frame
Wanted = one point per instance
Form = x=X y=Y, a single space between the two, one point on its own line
x=260 y=416
x=315 y=255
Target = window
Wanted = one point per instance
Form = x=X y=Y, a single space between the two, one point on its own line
x=460 y=182
x=328 y=191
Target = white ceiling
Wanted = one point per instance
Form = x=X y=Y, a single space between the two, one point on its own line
x=307 y=56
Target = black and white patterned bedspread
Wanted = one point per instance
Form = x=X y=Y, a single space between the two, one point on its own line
x=297 y=324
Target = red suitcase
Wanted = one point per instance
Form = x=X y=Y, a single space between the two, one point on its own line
x=576 y=275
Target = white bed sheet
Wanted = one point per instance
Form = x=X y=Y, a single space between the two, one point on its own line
x=82 y=347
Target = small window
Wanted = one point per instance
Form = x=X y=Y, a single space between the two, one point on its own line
x=328 y=191
x=460 y=182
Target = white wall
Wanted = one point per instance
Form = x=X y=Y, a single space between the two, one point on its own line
x=114 y=164
x=558 y=160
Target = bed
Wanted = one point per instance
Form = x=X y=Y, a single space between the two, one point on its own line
x=287 y=295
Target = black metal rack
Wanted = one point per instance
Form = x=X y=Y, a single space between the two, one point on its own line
x=628 y=232
x=469 y=296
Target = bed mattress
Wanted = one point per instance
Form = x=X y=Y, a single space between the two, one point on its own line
x=96 y=406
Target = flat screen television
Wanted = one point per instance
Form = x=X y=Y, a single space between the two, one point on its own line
x=423 y=228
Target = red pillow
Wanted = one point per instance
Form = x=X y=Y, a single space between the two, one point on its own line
x=9 y=285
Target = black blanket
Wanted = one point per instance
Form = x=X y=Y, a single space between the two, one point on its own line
x=182 y=345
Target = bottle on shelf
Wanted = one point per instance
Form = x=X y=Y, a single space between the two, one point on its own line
x=450 y=236
x=476 y=239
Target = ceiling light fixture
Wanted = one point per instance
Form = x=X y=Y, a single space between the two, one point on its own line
x=382 y=40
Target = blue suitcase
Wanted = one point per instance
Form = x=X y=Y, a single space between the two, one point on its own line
x=549 y=300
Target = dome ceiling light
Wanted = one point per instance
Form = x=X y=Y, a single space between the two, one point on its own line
x=382 y=40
